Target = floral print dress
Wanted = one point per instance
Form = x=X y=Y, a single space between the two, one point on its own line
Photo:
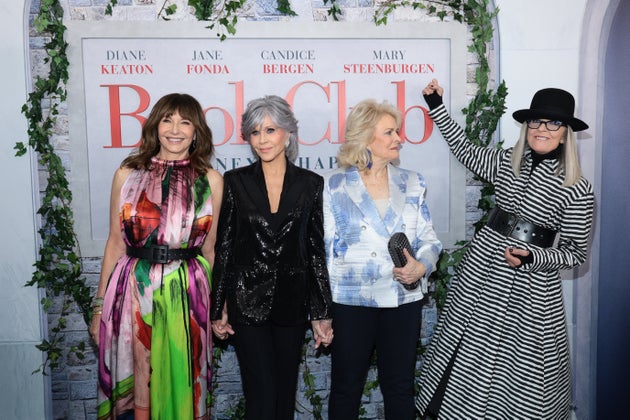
x=155 y=338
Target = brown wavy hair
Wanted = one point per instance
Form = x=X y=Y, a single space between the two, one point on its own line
x=188 y=108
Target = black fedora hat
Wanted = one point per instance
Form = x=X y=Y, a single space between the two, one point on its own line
x=552 y=103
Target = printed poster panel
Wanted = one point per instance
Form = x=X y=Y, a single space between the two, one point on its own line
x=322 y=78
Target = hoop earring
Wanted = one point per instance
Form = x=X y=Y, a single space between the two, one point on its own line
x=369 y=162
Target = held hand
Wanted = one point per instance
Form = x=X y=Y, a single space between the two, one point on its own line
x=322 y=332
x=512 y=256
x=221 y=327
x=411 y=272
x=432 y=87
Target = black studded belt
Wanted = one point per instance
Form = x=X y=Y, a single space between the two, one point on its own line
x=512 y=226
x=161 y=254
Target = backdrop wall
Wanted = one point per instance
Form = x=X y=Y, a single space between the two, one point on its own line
x=540 y=46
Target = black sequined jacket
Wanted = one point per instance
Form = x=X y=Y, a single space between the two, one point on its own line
x=271 y=267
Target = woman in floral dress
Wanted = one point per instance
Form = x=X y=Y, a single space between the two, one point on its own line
x=151 y=311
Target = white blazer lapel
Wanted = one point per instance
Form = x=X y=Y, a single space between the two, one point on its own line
x=361 y=199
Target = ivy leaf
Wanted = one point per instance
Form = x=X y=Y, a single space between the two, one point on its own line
x=203 y=8
x=110 y=6
x=43 y=346
x=284 y=7
x=20 y=149
x=170 y=10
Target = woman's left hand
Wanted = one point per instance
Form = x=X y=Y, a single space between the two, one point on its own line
x=512 y=256
x=322 y=332
x=411 y=272
x=433 y=87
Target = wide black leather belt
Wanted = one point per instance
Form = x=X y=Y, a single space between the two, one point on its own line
x=512 y=226
x=161 y=254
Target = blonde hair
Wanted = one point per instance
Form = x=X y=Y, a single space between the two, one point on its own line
x=569 y=162
x=359 y=131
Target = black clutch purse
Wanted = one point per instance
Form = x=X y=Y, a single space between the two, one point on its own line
x=396 y=244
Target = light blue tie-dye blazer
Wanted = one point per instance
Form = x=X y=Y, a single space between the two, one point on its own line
x=355 y=236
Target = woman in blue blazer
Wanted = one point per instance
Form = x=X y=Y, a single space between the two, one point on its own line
x=269 y=276
x=375 y=305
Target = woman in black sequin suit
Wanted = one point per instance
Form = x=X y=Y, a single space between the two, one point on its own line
x=270 y=274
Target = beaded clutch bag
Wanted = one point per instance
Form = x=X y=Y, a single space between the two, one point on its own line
x=396 y=244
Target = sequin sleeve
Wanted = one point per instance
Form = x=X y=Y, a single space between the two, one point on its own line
x=223 y=250
x=319 y=289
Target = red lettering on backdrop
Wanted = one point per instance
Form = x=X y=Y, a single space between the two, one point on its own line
x=233 y=125
x=115 y=113
x=229 y=126
x=400 y=104
x=239 y=108
x=326 y=89
x=239 y=104
x=341 y=111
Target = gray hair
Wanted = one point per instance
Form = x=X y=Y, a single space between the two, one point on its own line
x=569 y=167
x=279 y=112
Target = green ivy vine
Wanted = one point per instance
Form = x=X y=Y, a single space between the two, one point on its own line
x=58 y=270
x=310 y=390
x=222 y=15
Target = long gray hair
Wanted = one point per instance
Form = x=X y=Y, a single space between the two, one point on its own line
x=279 y=112
x=569 y=160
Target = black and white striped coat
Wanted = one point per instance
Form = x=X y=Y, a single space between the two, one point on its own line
x=513 y=358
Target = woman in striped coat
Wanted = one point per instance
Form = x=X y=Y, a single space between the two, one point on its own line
x=501 y=348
